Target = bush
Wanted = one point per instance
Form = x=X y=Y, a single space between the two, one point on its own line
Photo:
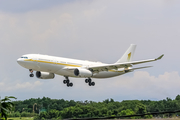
x=54 y=119
x=42 y=118
x=43 y=115
x=25 y=114
x=14 y=114
x=59 y=118
x=36 y=118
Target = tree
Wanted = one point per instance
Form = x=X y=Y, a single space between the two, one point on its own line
x=127 y=112
x=6 y=106
x=177 y=97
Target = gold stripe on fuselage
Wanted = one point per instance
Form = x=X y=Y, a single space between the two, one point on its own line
x=62 y=64
x=52 y=62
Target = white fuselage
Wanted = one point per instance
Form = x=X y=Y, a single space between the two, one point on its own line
x=57 y=65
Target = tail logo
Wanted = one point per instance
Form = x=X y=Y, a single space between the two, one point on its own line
x=129 y=57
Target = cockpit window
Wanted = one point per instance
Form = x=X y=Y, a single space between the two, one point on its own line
x=25 y=57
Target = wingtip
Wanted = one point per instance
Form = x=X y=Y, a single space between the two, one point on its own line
x=160 y=57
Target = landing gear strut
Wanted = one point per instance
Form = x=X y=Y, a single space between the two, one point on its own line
x=69 y=84
x=89 y=81
x=31 y=71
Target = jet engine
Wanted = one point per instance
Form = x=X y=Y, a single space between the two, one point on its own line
x=44 y=75
x=79 y=72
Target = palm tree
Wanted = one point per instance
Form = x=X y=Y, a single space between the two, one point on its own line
x=6 y=106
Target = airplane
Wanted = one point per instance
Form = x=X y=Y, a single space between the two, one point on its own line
x=47 y=66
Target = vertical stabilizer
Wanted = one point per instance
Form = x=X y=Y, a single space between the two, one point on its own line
x=128 y=55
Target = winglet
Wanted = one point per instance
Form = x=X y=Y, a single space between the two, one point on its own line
x=159 y=57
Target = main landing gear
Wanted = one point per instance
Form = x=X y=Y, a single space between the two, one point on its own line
x=31 y=71
x=89 y=81
x=69 y=84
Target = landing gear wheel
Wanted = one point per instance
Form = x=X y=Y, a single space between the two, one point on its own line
x=89 y=84
x=93 y=83
x=86 y=80
x=89 y=80
x=64 y=81
x=71 y=84
x=31 y=75
x=67 y=81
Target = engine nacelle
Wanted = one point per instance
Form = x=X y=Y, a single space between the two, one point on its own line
x=44 y=75
x=79 y=72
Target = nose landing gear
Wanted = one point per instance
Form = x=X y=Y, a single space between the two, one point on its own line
x=31 y=71
x=67 y=81
x=89 y=81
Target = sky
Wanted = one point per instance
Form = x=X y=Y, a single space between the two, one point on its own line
x=97 y=30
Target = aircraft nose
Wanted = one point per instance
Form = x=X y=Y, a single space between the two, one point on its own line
x=19 y=61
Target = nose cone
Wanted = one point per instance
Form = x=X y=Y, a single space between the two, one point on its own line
x=20 y=61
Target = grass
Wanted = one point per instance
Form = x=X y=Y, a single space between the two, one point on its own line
x=31 y=118
x=22 y=118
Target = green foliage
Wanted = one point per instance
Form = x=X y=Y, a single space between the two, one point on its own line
x=42 y=118
x=17 y=118
x=36 y=118
x=23 y=114
x=14 y=114
x=53 y=114
x=148 y=116
x=127 y=112
x=62 y=109
x=6 y=106
x=140 y=108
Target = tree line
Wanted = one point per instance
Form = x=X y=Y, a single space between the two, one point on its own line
x=46 y=108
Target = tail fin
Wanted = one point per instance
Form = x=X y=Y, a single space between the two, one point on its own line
x=128 y=55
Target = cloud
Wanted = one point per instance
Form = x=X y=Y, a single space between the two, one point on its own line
x=141 y=85
x=23 y=6
x=94 y=12
x=7 y=86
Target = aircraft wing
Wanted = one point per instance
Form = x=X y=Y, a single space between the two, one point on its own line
x=107 y=67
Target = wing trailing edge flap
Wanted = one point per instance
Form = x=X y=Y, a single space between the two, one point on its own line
x=106 y=67
x=121 y=65
x=139 y=68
